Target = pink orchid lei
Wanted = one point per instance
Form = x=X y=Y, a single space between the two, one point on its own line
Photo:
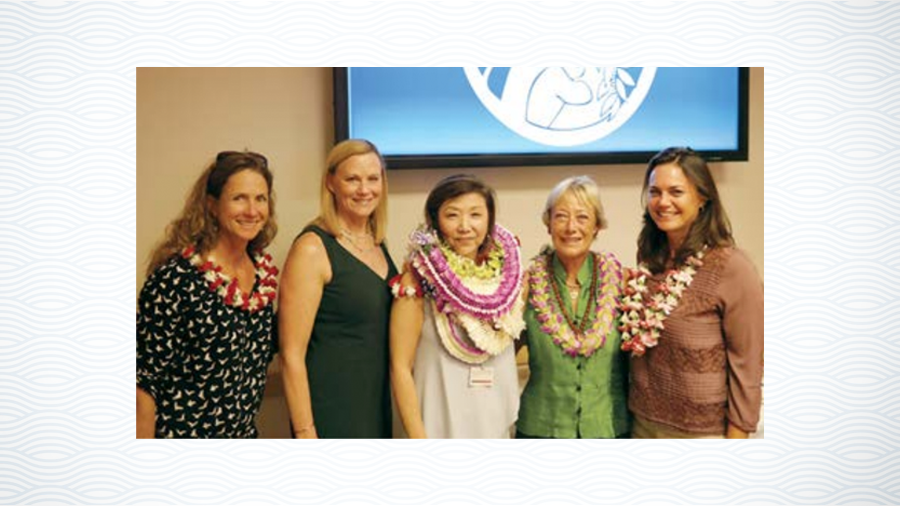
x=227 y=288
x=548 y=313
x=451 y=292
x=490 y=310
x=642 y=321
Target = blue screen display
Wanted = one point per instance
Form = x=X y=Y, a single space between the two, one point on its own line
x=540 y=110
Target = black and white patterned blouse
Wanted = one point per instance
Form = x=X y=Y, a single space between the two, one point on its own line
x=203 y=361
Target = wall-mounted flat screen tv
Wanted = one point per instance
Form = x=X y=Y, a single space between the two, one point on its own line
x=422 y=117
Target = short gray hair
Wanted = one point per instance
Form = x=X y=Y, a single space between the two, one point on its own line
x=585 y=190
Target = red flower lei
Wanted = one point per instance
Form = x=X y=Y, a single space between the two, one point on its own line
x=227 y=288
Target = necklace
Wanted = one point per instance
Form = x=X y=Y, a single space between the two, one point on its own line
x=574 y=290
x=352 y=238
x=570 y=319
x=583 y=339
x=643 y=316
x=227 y=287
x=488 y=308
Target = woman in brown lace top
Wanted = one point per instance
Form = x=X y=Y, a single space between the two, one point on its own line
x=693 y=316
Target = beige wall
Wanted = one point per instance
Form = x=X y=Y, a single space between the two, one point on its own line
x=185 y=116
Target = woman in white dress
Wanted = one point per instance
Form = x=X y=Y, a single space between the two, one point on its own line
x=457 y=311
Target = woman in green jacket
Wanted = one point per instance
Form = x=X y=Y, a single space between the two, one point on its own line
x=578 y=382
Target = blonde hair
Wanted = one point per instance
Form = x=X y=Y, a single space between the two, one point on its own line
x=196 y=225
x=585 y=191
x=328 y=218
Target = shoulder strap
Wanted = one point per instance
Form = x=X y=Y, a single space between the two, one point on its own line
x=328 y=240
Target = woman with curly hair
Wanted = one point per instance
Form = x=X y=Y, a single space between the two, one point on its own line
x=205 y=317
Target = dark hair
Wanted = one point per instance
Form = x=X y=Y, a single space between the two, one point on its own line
x=196 y=224
x=711 y=228
x=454 y=186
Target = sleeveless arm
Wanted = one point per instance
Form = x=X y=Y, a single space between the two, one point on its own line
x=306 y=271
x=407 y=316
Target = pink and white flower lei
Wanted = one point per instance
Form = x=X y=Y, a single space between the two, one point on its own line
x=642 y=320
x=609 y=281
x=228 y=289
x=451 y=291
x=489 y=310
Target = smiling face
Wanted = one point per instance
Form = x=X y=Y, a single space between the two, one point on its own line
x=573 y=227
x=673 y=202
x=463 y=223
x=243 y=207
x=357 y=184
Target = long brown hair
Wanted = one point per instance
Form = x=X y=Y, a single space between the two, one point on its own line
x=196 y=224
x=711 y=228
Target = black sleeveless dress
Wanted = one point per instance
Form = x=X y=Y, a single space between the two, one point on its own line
x=347 y=357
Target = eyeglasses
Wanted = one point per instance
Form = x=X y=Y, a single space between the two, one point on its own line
x=225 y=155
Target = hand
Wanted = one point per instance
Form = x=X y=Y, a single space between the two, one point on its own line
x=735 y=433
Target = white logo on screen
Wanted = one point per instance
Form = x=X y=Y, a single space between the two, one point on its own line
x=561 y=106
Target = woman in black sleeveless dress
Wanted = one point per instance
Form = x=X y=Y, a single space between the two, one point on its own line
x=335 y=305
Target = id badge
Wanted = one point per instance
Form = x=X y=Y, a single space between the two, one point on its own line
x=482 y=377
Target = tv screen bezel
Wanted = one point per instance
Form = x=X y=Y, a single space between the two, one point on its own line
x=342 y=132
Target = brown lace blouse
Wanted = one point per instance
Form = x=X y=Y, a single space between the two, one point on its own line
x=707 y=369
